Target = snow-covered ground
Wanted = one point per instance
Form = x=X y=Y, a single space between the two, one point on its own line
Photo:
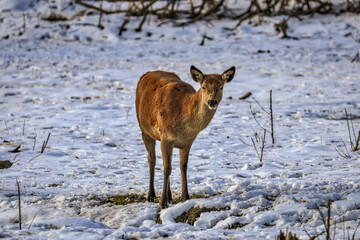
x=78 y=83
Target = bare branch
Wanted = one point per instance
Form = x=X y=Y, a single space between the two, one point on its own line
x=255 y=147
x=253 y=114
x=261 y=105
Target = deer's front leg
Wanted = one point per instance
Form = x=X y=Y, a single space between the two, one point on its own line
x=184 y=157
x=166 y=149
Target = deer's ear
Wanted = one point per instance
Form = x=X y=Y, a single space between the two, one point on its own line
x=228 y=75
x=196 y=74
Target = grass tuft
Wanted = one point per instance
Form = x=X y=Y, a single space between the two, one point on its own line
x=193 y=214
x=237 y=225
x=125 y=199
x=286 y=236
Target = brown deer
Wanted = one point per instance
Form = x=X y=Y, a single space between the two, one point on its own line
x=171 y=111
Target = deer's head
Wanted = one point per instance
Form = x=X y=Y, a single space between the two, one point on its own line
x=212 y=85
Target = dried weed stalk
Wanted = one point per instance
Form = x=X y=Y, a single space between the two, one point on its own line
x=353 y=138
x=260 y=143
x=271 y=117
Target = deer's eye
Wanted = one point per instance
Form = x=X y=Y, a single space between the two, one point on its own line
x=203 y=87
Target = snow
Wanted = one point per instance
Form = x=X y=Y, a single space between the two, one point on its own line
x=78 y=83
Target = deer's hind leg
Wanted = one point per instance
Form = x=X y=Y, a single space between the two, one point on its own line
x=166 y=149
x=150 y=147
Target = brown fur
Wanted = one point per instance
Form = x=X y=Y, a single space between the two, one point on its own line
x=171 y=111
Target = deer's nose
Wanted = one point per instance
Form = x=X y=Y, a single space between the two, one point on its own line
x=212 y=103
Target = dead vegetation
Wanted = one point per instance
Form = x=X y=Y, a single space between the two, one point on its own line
x=45 y=143
x=193 y=214
x=185 y=12
x=328 y=224
x=126 y=199
x=5 y=164
x=286 y=236
x=354 y=138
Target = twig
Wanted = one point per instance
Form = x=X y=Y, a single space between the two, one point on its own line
x=145 y=11
x=272 y=119
x=6 y=127
x=253 y=114
x=261 y=105
x=45 y=143
x=19 y=199
x=92 y=7
x=35 y=157
x=203 y=39
x=354 y=234
x=312 y=237
x=42 y=148
x=210 y=11
x=270 y=113
x=328 y=236
x=127 y=112
x=242 y=140
x=32 y=222
x=23 y=132
x=343 y=153
x=123 y=27
x=16 y=157
x=235 y=167
x=348 y=126
x=34 y=141
x=139 y=28
x=257 y=152
x=260 y=156
x=262 y=146
x=326 y=221
x=354 y=146
x=24 y=22
x=100 y=15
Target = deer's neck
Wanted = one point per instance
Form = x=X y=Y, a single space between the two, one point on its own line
x=200 y=114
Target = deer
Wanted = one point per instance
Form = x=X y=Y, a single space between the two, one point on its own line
x=171 y=111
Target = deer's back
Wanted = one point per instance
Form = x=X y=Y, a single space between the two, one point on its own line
x=161 y=103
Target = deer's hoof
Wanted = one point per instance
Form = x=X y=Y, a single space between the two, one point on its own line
x=151 y=197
